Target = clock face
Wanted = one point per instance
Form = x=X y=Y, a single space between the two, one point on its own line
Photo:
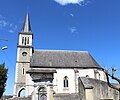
x=24 y=53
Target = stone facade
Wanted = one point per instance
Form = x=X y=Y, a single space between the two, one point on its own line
x=20 y=98
x=66 y=97
x=81 y=90
x=5 y=97
x=70 y=64
x=97 y=90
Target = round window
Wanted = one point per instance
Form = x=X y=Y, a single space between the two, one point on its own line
x=24 y=53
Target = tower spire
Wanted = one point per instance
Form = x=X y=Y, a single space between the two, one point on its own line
x=26 y=27
x=24 y=53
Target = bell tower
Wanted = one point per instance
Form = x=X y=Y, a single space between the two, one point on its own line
x=24 y=52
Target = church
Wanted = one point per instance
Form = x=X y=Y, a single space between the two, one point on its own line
x=42 y=74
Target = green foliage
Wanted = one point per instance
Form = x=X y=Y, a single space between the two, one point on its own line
x=3 y=78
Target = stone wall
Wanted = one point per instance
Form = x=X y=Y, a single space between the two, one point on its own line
x=81 y=90
x=66 y=96
x=98 y=90
x=21 y=98
x=5 y=97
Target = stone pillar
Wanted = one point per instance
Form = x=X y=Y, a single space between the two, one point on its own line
x=51 y=92
x=76 y=80
x=34 y=94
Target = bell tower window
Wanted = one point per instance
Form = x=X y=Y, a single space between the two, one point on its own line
x=28 y=41
x=25 y=41
x=22 y=40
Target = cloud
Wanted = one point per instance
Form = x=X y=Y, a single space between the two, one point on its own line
x=3 y=23
x=11 y=31
x=13 y=28
x=72 y=15
x=73 y=29
x=65 y=2
x=6 y=25
x=11 y=25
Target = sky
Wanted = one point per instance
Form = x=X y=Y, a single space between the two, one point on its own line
x=82 y=25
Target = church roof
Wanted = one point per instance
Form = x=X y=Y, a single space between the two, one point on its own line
x=62 y=59
x=90 y=82
x=26 y=27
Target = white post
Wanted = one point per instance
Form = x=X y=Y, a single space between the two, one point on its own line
x=48 y=92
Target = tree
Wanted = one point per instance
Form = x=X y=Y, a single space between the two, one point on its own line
x=113 y=77
x=3 y=78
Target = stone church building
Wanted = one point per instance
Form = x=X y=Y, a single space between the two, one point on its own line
x=46 y=74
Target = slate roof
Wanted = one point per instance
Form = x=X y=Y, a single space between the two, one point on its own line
x=26 y=27
x=91 y=83
x=62 y=59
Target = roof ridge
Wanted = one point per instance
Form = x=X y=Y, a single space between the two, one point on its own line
x=61 y=50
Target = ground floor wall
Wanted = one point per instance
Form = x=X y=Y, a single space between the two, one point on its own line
x=66 y=97
x=29 y=85
x=20 y=98
x=72 y=76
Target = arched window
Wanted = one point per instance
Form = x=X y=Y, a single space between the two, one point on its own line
x=42 y=93
x=87 y=76
x=28 y=40
x=97 y=75
x=22 y=40
x=25 y=40
x=65 y=81
x=23 y=71
x=21 y=93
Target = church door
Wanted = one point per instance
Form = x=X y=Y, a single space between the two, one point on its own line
x=42 y=93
